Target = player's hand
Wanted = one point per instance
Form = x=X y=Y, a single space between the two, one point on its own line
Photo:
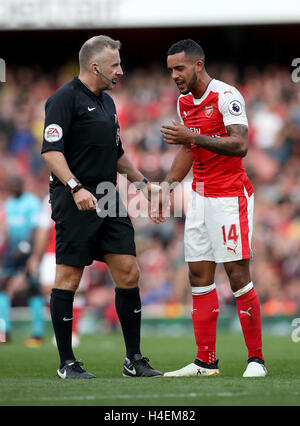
x=159 y=205
x=85 y=200
x=152 y=192
x=178 y=134
x=164 y=202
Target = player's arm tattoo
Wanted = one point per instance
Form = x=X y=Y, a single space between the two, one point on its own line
x=235 y=144
x=237 y=129
x=240 y=132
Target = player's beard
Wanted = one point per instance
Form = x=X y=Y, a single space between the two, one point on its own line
x=191 y=84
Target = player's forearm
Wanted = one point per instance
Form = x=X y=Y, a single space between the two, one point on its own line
x=182 y=164
x=126 y=167
x=57 y=163
x=233 y=146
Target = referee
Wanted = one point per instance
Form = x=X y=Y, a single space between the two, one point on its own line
x=82 y=148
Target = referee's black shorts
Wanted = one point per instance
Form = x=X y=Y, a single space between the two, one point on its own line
x=83 y=236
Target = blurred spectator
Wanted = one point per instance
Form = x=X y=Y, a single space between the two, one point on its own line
x=20 y=214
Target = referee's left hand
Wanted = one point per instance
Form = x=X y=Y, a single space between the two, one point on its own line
x=85 y=200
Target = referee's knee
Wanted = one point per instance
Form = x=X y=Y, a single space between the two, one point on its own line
x=129 y=276
x=67 y=277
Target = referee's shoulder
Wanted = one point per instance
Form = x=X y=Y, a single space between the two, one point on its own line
x=65 y=93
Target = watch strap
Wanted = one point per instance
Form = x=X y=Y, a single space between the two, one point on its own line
x=77 y=188
x=140 y=185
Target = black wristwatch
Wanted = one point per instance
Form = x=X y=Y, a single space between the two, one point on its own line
x=140 y=185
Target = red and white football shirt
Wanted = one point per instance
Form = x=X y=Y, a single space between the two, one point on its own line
x=221 y=105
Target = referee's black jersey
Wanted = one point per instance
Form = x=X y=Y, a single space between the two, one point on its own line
x=84 y=127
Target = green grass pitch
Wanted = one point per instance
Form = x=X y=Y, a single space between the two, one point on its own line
x=27 y=376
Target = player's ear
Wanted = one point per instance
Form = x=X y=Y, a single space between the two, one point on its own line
x=199 y=64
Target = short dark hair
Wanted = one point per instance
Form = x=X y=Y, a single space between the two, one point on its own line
x=189 y=47
x=93 y=47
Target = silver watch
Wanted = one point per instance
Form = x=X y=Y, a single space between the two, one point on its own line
x=72 y=183
x=140 y=185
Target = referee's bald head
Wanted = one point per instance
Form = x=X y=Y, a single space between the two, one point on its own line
x=93 y=48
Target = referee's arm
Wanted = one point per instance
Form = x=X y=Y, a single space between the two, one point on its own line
x=58 y=117
x=126 y=167
x=57 y=163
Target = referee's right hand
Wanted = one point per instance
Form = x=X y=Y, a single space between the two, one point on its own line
x=85 y=200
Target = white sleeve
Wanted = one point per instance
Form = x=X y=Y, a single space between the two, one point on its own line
x=178 y=112
x=232 y=107
x=44 y=217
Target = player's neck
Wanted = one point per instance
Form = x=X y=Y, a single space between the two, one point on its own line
x=201 y=86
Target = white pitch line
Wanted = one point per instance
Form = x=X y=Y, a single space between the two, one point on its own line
x=104 y=397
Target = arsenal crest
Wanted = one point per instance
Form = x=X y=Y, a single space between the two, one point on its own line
x=209 y=110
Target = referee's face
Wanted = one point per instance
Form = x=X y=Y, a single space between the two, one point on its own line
x=110 y=68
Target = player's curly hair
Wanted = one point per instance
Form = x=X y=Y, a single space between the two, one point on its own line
x=190 y=47
x=93 y=48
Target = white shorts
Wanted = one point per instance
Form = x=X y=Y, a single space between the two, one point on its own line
x=218 y=229
x=47 y=271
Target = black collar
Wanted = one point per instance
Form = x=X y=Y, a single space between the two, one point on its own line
x=85 y=89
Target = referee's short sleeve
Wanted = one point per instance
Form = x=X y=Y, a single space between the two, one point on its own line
x=58 y=118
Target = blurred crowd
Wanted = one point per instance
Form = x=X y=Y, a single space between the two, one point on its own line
x=145 y=99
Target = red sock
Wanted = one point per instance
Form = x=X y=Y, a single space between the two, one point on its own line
x=248 y=307
x=204 y=315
